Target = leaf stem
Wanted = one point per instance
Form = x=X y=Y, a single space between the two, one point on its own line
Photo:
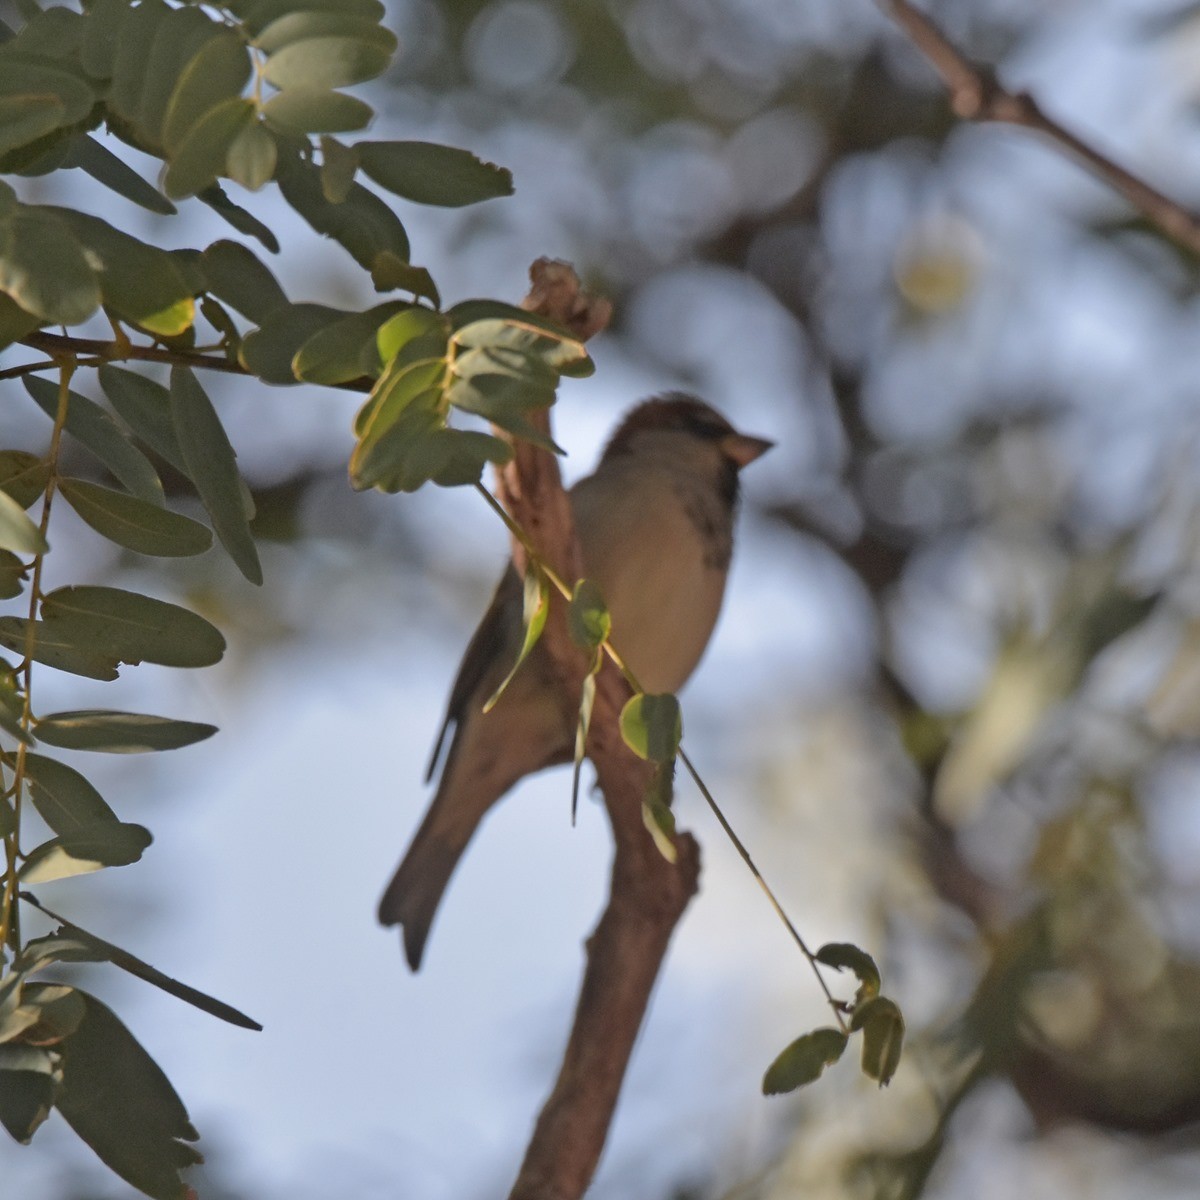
x=10 y=929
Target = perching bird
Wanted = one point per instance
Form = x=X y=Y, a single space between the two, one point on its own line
x=655 y=528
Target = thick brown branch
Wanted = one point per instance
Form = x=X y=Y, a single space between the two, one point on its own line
x=648 y=894
x=977 y=95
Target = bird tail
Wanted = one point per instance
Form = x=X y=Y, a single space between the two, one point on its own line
x=415 y=891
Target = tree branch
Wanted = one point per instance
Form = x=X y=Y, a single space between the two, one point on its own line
x=977 y=95
x=648 y=895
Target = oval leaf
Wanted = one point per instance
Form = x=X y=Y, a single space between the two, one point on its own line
x=804 y=1061
x=56 y=649
x=652 y=726
x=331 y=62
x=134 y=628
x=65 y=800
x=236 y=276
x=433 y=174
x=145 y=406
x=117 y=1099
x=882 y=1026
x=212 y=465
x=118 y=732
x=89 y=424
x=133 y=523
x=306 y=110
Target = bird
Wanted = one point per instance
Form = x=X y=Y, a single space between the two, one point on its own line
x=655 y=524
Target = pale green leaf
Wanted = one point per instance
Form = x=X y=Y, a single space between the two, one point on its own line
x=23 y=476
x=202 y=155
x=251 y=158
x=331 y=61
x=216 y=73
x=269 y=350
x=17 y=531
x=145 y=406
x=305 y=110
x=537 y=609
x=652 y=726
x=44 y=270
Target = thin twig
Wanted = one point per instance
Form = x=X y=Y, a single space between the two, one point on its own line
x=977 y=95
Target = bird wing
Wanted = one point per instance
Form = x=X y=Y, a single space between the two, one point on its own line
x=485 y=651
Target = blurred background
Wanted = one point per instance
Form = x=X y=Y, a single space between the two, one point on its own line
x=952 y=707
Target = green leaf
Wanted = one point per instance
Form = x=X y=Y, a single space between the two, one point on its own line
x=8 y=820
x=44 y=270
x=345 y=350
x=12 y=711
x=338 y=164
x=83 y=850
x=28 y=1082
x=361 y=223
x=23 y=476
x=75 y=944
x=433 y=174
x=395 y=390
x=305 y=110
x=202 y=155
x=180 y=37
x=57 y=86
x=12 y=575
x=24 y=119
x=237 y=277
x=411 y=335
x=269 y=350
x=652 y=726
x=134 y=524
x=95 y=159
x=105 y=22
x=130 y=57
x=212 y=465
x=844 y=955
x=804 y=1061
x=252 y=157
x=537 y=609
x=65 y=800
x=657 y=816
x=882 y=1026
x=95 y=429
x=134 y=628
x=309 y=23
x=145 y=406
x=513 y=341
x=56 y=650
x=244 y=222
x=139 y=282
x=118 y=732
x=17 y=531
x=257 y=15
x=388 y=273
x=588 y=620
x=118 y=1100
x=15 y=322
x=401 y=451
x=217 y=72
x=331 y=61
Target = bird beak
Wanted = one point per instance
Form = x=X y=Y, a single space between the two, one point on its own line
x=743 y=449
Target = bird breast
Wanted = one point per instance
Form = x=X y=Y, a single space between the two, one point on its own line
x=657 y=543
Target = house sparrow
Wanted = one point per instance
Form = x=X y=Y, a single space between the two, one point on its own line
x=655 y=527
